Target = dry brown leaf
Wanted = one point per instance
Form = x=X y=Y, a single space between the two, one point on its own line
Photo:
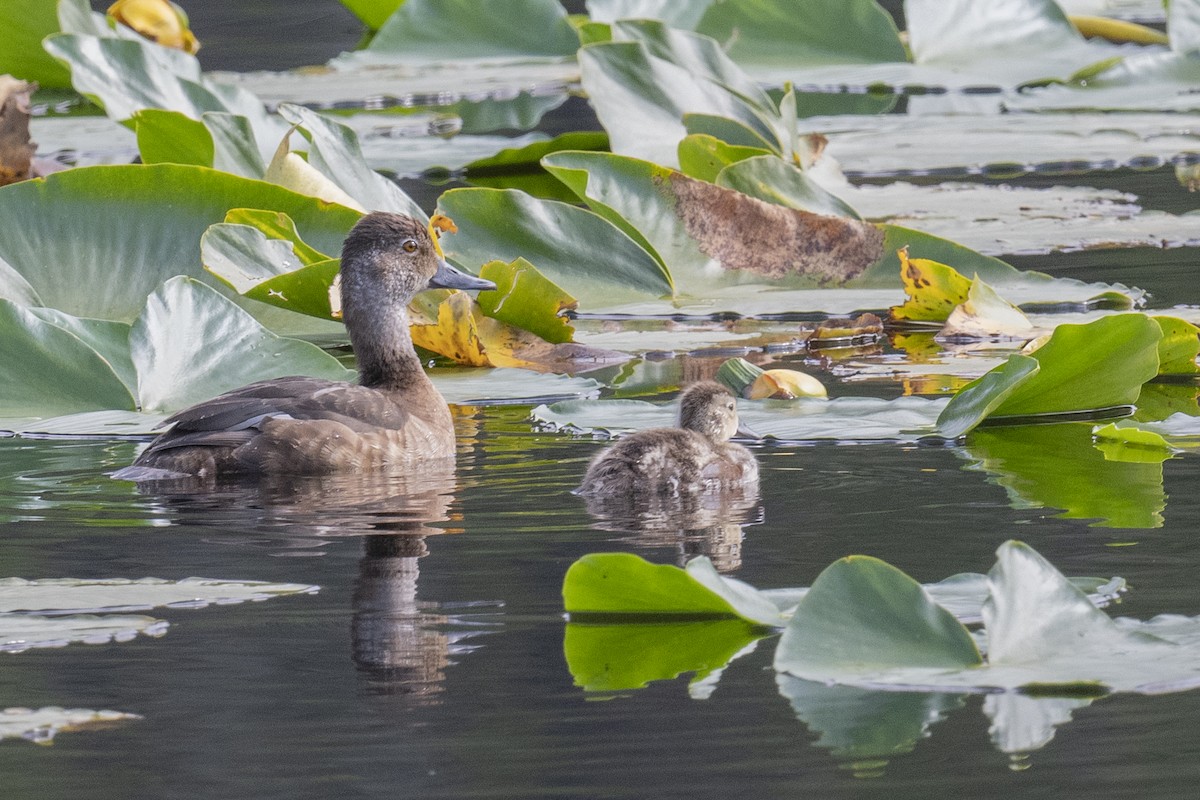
x=746 y=234
x=16 y=148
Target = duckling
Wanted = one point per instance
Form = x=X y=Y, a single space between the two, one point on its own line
x=693 y=459
x=392 y=419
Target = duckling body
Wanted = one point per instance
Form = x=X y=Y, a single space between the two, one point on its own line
x=693 y=459
x=392 y=419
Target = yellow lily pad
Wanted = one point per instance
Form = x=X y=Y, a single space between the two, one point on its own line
x=934 y=290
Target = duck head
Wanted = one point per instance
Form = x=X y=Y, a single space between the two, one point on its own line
x=387 y=258
x=710 y=409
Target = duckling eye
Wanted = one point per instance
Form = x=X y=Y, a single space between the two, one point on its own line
x=410 y=245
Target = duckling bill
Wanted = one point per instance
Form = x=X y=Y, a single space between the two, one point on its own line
x=391 y=419
x=692 y=459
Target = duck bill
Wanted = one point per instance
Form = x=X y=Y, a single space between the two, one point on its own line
x=744 y=431
x=448 y=277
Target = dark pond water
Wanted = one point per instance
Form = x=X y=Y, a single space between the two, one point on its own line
x=431 y=664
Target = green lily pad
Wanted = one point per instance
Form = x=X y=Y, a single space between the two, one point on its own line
x=98 y=240
x=861 y=615
x=218 y=139
x=49 y=370
x=1042 y=634
x=1123 y=348
x=773 y=180
x=177 y=368
x=527 y=299
x=24 y=25
x=566 y=243
x=424 y=31
x=334 y=151
x=625 y=585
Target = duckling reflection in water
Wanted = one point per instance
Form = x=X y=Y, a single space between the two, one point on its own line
x=392 y=419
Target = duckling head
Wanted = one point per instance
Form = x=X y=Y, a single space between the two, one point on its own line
x=710 y=409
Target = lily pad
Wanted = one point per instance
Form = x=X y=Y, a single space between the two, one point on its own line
x=48 y=370
x=24 y=25
x=175 y=366
x=43 y=724
x=19 y=632
x=622 y=585
x=424 y=31
x=840 y=419
x=1123 y=348
x=562 y=241
x=121 y=595
x=1042 y=634
x=861 y=615
x=99 y=240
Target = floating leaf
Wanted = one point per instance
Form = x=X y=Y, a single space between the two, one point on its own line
x=772 y=33
x=933 y=290
x=121 y=595
x=99 y=240
x=527 y=299
x=703 y=156
x=564 y=243
x=1042 y=633
x=48 y=370
x=979 y=399
x=43 y=724
x=1123 y=348
x=863 y=615
x=22 y=28
x=773 y=180
x=1179 y=346
x=423 y=31
x=985 y=314
x=177 y=367
x=21 y=632
x=622 y=584
x=335 y=153
x=452 y=324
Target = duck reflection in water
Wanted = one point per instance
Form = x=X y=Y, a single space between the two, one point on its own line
x=688 y=485
x=401 y=644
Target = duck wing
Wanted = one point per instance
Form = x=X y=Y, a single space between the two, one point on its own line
x=236 y=417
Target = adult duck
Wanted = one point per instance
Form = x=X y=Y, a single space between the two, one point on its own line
x=692 y=459
x=392 y=419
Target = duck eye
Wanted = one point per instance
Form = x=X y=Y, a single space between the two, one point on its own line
x=410 y=245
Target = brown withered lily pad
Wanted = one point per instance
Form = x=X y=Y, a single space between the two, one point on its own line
x=749 y=235
x=16 y=148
